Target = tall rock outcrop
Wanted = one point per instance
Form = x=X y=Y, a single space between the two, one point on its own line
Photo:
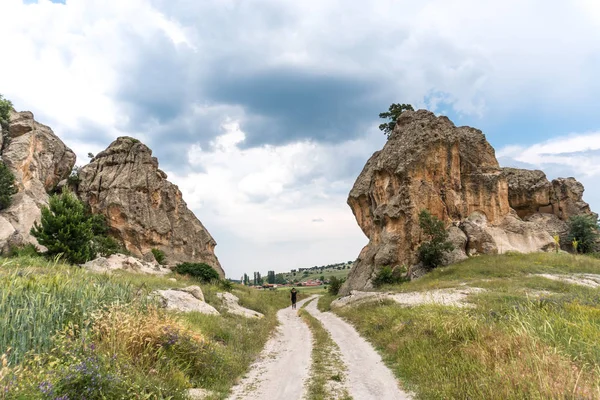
x=39 y=161
x=430 y=164
x=143 y=209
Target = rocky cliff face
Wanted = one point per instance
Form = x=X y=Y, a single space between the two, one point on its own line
x=430 y=164
x=144 y=210
x=39 y=160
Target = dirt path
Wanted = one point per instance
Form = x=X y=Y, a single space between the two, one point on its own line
x=284 y=364
x=368 y=377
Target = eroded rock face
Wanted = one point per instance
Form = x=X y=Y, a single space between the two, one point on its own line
x=39 y=160
x=143 y=209
x=530 y=192
x=430 y=164
x=547 y=204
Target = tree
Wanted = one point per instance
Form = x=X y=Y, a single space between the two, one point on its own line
x=584 y=230
x=392 y=114
x=271 y=277
x=246 y=280
x=7 y=186
x=280 y=279
x=5 y=107
x=334 y=285
x=66 y=228
x=432 y=251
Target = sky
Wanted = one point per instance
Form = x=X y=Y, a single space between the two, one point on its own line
x=264 y=112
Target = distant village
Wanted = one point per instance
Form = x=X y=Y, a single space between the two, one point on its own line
x=313 y=276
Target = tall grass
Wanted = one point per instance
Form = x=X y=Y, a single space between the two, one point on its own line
x=64 y=331
x=34 y=306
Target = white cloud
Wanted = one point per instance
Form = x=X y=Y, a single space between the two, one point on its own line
x=271 y=196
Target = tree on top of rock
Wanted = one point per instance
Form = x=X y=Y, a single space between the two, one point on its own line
x=5 y=107
x=392 y=114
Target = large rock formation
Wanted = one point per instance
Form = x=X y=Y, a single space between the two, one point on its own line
x=144 y=210
x=39 y=161
x=430 y=164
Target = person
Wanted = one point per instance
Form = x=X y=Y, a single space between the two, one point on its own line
x=293 y=293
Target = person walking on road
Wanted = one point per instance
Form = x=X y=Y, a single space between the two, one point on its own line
x=293 y=293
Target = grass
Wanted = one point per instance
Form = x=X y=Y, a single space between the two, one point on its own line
x=64 y=331
x=327 y=366
x=524 y=337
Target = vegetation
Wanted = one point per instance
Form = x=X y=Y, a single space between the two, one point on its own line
x=524 y=336
x=327 y=366
x=335 y=285
x=392 y=115
x=200 y=271
x=389 y=276
x=66 y=229
x=431 y=252
x=584 y=231
x=60 y=336
x=5 y=107
x=7 y=186
x=159 y=256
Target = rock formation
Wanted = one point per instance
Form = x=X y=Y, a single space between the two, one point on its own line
x=430 y=164
x=39 y=161
x=550 y=205
x=143 y=209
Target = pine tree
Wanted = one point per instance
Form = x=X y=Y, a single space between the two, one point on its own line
x=66 y=228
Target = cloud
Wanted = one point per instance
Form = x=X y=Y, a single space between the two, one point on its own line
x=267 y=196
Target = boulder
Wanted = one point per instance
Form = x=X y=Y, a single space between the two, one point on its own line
x=230 y=301
x=184 y=301
x=39 y=160
x=430 y=164
x=143 y=209
x=125 y=263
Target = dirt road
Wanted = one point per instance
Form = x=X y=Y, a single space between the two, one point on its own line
x=282 y=370
x=284 y=364
x=368 y=377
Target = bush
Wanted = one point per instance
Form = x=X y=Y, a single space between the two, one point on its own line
x=28 y=250
x=159 y=256
x=584 y=230
x=202 y=271
x=334 y=285
x=7 y=186
x=431 y=252
x=389 y=276
x=66 y=229
x=5 y=107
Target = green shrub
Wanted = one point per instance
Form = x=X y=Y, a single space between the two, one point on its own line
x=431 y=252
x=584 y=231
x=66 y=229
x=334 y=285
x=5 y=107
x=7 y=186
x=159 y=256
x=202 y=271
x=28 y=250
x=389 y=276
